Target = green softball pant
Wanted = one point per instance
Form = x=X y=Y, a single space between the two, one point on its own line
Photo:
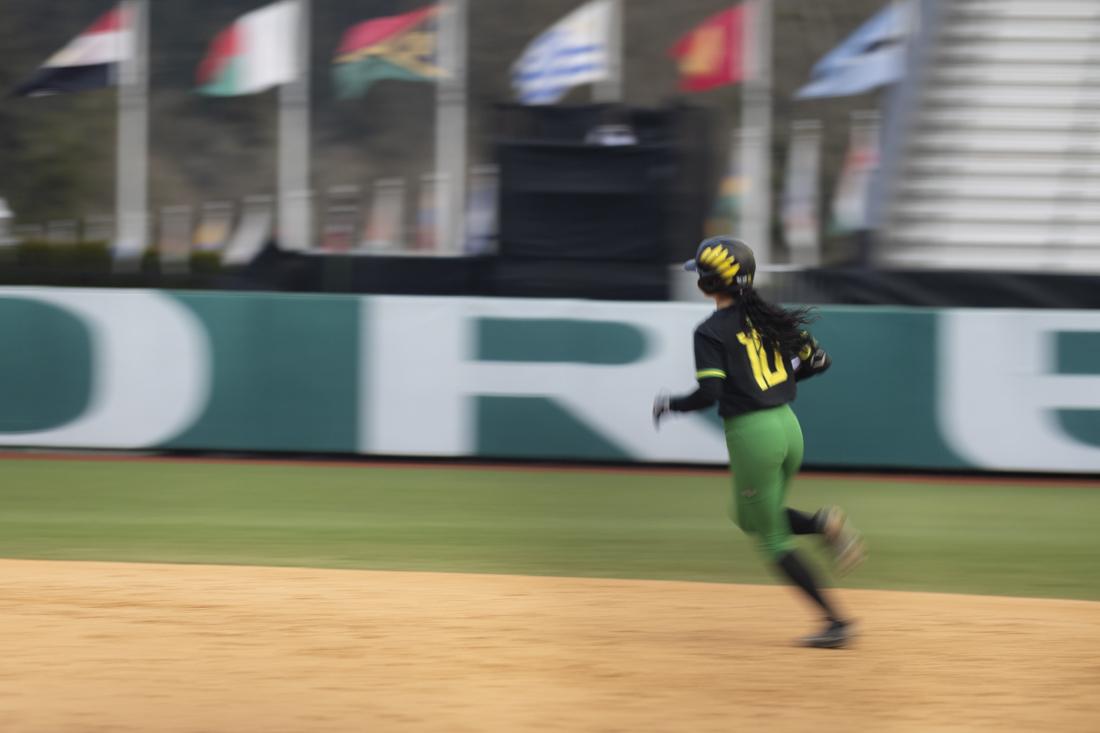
x=765 y=449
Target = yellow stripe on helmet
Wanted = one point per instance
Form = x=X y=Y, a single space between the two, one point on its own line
x=719 y=259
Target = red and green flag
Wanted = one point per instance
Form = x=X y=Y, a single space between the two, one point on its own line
x=254 y=54
x=395 y=47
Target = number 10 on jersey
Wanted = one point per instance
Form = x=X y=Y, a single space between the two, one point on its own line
x=765 y=376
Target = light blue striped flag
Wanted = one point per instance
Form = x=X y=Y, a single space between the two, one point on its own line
x=573 y=51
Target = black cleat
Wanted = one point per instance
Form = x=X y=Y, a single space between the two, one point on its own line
x=835 y=635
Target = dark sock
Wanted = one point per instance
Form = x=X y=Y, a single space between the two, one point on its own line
x=793 y=567
x=803 y=523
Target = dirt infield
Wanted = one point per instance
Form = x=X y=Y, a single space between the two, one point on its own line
x=117 y=647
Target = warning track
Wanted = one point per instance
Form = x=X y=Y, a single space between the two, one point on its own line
x=365 y=463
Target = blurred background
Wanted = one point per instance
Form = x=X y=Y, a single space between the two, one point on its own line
x=452 y=234
x=927 y=152
x=931 y=153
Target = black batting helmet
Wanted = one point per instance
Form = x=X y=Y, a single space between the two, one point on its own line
x=724 y=264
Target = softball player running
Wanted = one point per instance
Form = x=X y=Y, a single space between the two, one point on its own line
x=748 y=356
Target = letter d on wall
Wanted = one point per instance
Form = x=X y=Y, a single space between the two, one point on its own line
x=150 y=366
x=1000 y=392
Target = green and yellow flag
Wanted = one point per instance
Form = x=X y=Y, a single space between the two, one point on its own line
x=396 y=47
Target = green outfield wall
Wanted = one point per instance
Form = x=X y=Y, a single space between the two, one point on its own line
x=537 y=379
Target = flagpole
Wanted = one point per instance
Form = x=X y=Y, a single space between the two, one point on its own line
x=450 y=128
x=131 y=176
x=908 y=17
x=756 y=130
x=611 y=88
x=295 y=230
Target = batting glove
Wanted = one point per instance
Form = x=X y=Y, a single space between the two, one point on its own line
x=660 y=408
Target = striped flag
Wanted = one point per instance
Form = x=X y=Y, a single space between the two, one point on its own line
x=396 y=47
x=256 y=53
x=89 y=61
x=576 y=50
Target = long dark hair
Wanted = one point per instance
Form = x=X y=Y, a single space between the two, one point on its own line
x=780 y=328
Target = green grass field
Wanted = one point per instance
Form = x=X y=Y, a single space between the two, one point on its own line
x=997 y=538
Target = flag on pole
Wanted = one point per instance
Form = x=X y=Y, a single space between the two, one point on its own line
x=725 y=216
x=482 y=215
x=396 y=47
x=215 y=227
x=872 y=57
x=726 y=213
x=256 y=53
x=800 y=194
x=576 y=50
x=710 y=55
x=427 y=213
x=384 y=228
x=850 y=201
x=6 y=216
x=89 y=61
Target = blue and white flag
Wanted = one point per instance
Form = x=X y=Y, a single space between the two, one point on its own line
x=872 y=57
x=573 y=51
